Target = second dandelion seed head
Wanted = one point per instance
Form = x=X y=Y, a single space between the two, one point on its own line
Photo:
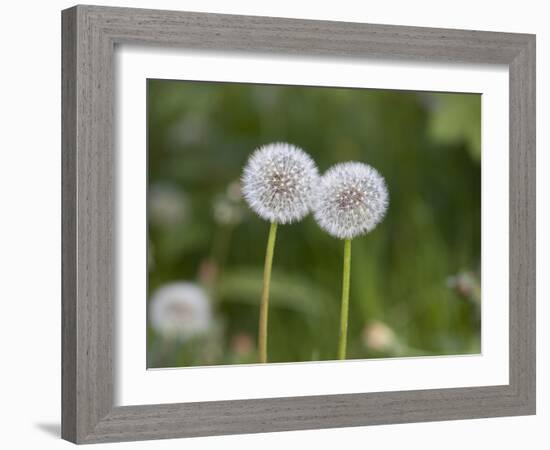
x=278 y=182
x=180 y=310
x=351 y=199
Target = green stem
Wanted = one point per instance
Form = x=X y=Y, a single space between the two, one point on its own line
x=264 y=306
x=344 y=313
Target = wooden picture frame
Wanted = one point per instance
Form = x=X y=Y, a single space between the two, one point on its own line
x=90 y=34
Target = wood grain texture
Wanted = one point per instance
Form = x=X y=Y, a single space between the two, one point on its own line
x=68 y=225
x=90 y=34
x=523 y=224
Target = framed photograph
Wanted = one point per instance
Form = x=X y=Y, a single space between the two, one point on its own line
x=277 y=224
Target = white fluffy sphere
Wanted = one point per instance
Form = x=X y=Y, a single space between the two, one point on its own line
x=278 y=182
x=351 y=200
x=180 y=310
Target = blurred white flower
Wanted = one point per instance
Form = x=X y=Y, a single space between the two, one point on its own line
x=167 y=204
x=226 y=212
x=227 y=207
x=350 y=200
x=278 y=182
x=180 y=310
x=379 y=337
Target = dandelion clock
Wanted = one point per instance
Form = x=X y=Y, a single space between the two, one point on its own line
x=278 y=183
x=351 y=199
x=180 y=310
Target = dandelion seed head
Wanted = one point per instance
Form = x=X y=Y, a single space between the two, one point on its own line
x=351 y=200
x=278 y=182
x=180 y=310
x=379 y=336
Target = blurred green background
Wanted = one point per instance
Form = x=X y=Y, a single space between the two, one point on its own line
x=415 y=282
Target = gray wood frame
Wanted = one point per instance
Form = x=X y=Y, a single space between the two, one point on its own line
x=90 y=34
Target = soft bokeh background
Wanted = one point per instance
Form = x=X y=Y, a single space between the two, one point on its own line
x=415 y=284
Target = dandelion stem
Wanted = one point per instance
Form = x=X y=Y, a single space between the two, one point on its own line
x=344 y=312
x=264 y=306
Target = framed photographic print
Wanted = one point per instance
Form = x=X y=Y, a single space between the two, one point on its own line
x=278 y=224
